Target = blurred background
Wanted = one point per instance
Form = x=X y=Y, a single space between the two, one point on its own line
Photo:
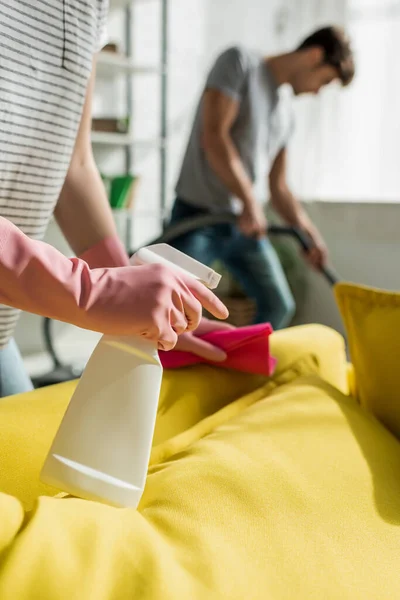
x=344 y=157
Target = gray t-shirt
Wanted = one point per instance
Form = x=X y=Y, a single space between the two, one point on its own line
x=263 y=124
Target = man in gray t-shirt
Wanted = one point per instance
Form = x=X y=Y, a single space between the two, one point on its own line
x=242 y=112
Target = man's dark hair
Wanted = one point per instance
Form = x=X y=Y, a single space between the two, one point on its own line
x=337 y=49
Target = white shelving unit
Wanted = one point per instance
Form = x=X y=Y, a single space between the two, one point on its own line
x=119 y=3
x=125 y=3
x=100 y=138
x=109 y=63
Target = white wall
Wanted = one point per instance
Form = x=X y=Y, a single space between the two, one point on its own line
x=364 y=244
x=254 y=24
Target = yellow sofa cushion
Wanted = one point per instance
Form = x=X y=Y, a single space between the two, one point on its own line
x=372 y=320
x=325 y=345
x=291 y=491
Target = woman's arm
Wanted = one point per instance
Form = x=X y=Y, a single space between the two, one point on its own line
x=83 y=211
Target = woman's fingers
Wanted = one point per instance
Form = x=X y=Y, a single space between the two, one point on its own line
x=192 y=310
x=167 y=339
x=190 y=343
x=178 y=321
x=206 y=298
x=183 y=313
x=161 y=332
x=208 y=325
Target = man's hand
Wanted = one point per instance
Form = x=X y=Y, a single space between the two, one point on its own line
x=318 y=254
x=191 y=342
x=291 y=211
x=252 y=222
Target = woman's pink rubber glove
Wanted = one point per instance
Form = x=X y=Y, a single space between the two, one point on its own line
x=110 y=252
x=150 y=301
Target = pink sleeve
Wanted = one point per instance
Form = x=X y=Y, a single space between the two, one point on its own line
x=110 y=252
x=35 y=277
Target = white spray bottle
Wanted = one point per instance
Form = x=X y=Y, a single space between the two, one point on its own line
x=102 y=448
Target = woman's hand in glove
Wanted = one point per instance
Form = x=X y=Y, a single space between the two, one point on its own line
x=191 y=342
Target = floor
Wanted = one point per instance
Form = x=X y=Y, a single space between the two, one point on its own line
x=74 y=348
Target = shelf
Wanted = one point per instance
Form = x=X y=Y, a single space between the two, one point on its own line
x=126 y=3
x=100 y=138
x=111 y=139
x=119 y=3
x=109 y=64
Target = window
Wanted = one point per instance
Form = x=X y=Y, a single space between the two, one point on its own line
x=352 y=136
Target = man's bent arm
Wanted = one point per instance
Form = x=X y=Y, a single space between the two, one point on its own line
x=219 y=114
x=282 y=199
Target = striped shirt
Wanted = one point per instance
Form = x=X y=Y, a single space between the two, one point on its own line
x=46 y=53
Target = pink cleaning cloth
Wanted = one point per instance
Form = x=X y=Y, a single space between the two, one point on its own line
x=247 y=350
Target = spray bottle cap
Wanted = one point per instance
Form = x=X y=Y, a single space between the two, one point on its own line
x=174 y=259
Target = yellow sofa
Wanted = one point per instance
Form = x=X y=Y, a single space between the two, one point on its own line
x=280 y=489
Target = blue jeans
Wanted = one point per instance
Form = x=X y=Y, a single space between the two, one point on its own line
x=13 y=376
x=254 y=264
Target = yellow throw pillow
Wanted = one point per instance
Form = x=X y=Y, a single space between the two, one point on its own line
x=372 y=321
